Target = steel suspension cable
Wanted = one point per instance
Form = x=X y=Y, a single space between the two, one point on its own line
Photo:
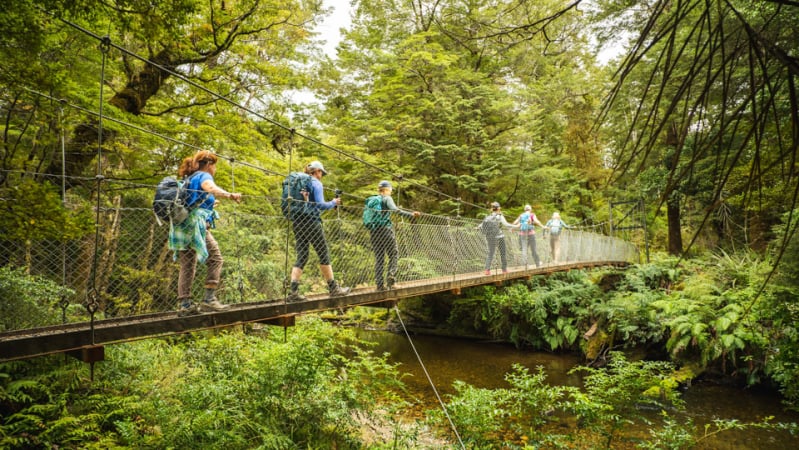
x=286 y=268
x=63 y=302
x=236 y=245
x=152 y=133
x=92 y=303
x=429 y=379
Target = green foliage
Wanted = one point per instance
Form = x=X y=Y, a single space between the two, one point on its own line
x=34 y=211
x=226 y=390
x=476 y=115
x=525 y=413
x=479 y=415
x=548 y=313
x=486 y=417
x=28 y=301
x=711 y=316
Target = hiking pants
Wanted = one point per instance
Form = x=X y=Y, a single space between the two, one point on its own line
x=384 y=243
x=554 y=245
x=307 y=232
x=188 y=267
x=525 y=242
x=493 y=243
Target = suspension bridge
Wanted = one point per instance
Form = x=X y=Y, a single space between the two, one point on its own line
x=120 y=283
x=115 y=280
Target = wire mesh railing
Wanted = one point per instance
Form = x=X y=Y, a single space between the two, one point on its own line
x=121 y=266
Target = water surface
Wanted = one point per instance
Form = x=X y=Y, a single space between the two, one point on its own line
x=484 y=364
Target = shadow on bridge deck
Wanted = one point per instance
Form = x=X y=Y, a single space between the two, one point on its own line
x=86 y=340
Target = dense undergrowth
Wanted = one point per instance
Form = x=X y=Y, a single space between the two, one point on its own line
x=227 y=390
x=708 y=316
x=322 y=388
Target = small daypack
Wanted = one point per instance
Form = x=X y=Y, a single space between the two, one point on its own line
x=555 y=227
x=292 y=201
x=171 y=202
x=526 y=222
x=373 y=214
x=490 y=226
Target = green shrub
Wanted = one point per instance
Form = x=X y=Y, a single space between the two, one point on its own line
x=28 y=301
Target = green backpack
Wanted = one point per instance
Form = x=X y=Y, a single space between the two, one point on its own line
x=373 y=214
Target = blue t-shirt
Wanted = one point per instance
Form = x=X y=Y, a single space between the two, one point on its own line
x=199 y=197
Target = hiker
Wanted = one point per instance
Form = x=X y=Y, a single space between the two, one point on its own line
x=377 y=218
x=308 y=231
x=491 y=227
x=192 y=239
x=527 y=221
x=555 y=226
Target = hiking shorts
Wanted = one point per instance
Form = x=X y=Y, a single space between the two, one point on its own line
x=309 y=233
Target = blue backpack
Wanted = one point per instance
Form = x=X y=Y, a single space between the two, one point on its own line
x=292 y=201
x=526 y=221
x=373 y=214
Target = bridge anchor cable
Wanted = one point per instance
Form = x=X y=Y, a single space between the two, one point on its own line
x=429 y=379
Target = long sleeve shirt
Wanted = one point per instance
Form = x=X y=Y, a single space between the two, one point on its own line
x=316 y=199
x=389 y=205
x=500 y=219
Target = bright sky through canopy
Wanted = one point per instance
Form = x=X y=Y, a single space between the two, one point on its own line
x=329 y=29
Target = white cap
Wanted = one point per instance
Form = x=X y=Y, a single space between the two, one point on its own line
x=316 y=165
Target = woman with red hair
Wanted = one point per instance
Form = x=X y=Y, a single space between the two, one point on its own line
x=192 y=240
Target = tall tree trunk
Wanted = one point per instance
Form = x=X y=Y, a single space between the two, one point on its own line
x=673 y=199
x=80 y=151
x=82 y=146
x=143 y=84
x=675 y=232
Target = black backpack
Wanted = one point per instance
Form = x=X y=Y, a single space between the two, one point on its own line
x=171 y=201
x=292 y=200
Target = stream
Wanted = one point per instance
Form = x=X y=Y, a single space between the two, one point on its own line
x=483 y=364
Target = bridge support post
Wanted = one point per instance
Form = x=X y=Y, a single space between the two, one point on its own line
x=388 y=304
x=284 y=321
x=89 y=354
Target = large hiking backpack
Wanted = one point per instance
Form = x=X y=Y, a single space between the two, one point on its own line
x=373 y=214
x=526 y=222
x=490 y=225
x=292 y=201
x=171 y=202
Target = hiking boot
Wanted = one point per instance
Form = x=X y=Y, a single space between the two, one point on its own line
x=213 y=305
x=188 y=310
x=381 y=288
x=295 y=297
x=391 y=281
x=338 y=291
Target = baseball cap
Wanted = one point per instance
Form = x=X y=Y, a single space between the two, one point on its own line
x=384 y=184
x=494 y=205
x=316 y=165
x=528 y=208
